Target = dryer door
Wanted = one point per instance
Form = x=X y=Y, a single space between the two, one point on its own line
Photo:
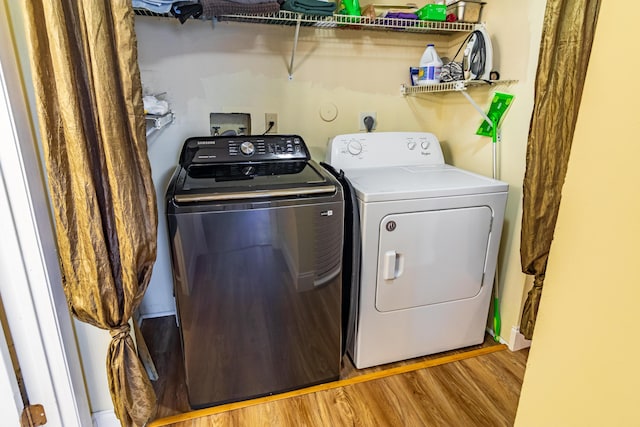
x=431 y=257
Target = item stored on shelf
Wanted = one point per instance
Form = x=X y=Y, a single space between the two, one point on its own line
x=350 y=7
x=310 y=7
x=218 y=8
x=153 y=105
x=430 y=67
x=466 y=11
x=478 y=55
x=369 y=11
x=382 y=9
x=452 y=71
x=432 y=12
x=400 y=15
x=413 y=75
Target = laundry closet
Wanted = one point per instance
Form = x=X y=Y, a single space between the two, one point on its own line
x=202 y=67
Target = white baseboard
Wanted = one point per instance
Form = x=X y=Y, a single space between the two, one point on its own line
x=517 y=341
x=502 y=341
x=105 y=419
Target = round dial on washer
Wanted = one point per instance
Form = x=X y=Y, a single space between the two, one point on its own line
x=354 y=147
x=411 y=145
x=425 y=145
x=247 y=148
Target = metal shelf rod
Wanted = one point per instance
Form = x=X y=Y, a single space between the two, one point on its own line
x=295 y=45
x=477 y=107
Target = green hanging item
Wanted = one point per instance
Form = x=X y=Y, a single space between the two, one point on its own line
x=497 y=110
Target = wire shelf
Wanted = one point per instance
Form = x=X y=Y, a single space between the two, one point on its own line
x=455 y=86
x=145 y=12
x=287 y=18
x=157 y=122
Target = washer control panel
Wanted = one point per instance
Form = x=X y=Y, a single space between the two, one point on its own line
x=221 y=149
x=379 y=149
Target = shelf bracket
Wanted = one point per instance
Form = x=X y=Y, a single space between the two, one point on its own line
x=477 y=107
x=295 y=45
x=158 y=122
x=496 y=131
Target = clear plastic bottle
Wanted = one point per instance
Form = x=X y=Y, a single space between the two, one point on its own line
x=430 y=67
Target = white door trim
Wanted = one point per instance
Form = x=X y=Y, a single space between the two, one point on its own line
x=11 y=402
x=30 y=280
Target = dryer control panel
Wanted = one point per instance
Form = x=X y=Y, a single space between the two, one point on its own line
x=367 y=150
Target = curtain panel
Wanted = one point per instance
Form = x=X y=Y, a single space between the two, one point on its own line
x=89 y=103
x=567 y=36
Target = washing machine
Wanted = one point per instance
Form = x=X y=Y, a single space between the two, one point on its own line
x=256 y=235
x=430 y=234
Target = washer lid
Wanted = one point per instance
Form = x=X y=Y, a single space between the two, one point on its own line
x=220 y=182
x=419 y=182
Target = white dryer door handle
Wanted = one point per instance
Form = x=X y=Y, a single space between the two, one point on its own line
x=393 y=265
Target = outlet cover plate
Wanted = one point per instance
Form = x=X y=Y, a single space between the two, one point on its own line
x=361 y=120
x=268 y=118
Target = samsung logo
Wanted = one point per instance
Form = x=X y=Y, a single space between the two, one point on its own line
x=206 y=143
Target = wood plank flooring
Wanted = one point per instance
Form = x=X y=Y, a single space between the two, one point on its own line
x=476 y=391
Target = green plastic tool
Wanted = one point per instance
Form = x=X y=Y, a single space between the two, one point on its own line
x=497 y=110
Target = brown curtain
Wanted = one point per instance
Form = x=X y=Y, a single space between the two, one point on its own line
x=89 y=101
x=567 y=36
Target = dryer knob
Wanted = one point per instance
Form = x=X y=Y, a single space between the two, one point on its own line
x=411 y=145
x=354 y=147
x=425 y=145
x=247 y=148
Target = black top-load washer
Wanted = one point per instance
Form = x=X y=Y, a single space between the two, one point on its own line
x=256 y=234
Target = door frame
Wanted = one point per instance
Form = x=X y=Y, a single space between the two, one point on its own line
x=37 y=315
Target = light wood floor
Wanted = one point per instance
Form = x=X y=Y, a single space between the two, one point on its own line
x=449 y=389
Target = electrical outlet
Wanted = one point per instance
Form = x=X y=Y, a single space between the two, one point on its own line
x=361 y=124
x=268 y=119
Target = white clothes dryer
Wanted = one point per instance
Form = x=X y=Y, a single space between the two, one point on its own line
x=430 y=236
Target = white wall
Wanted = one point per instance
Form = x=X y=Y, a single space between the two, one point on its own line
x=233 y=67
